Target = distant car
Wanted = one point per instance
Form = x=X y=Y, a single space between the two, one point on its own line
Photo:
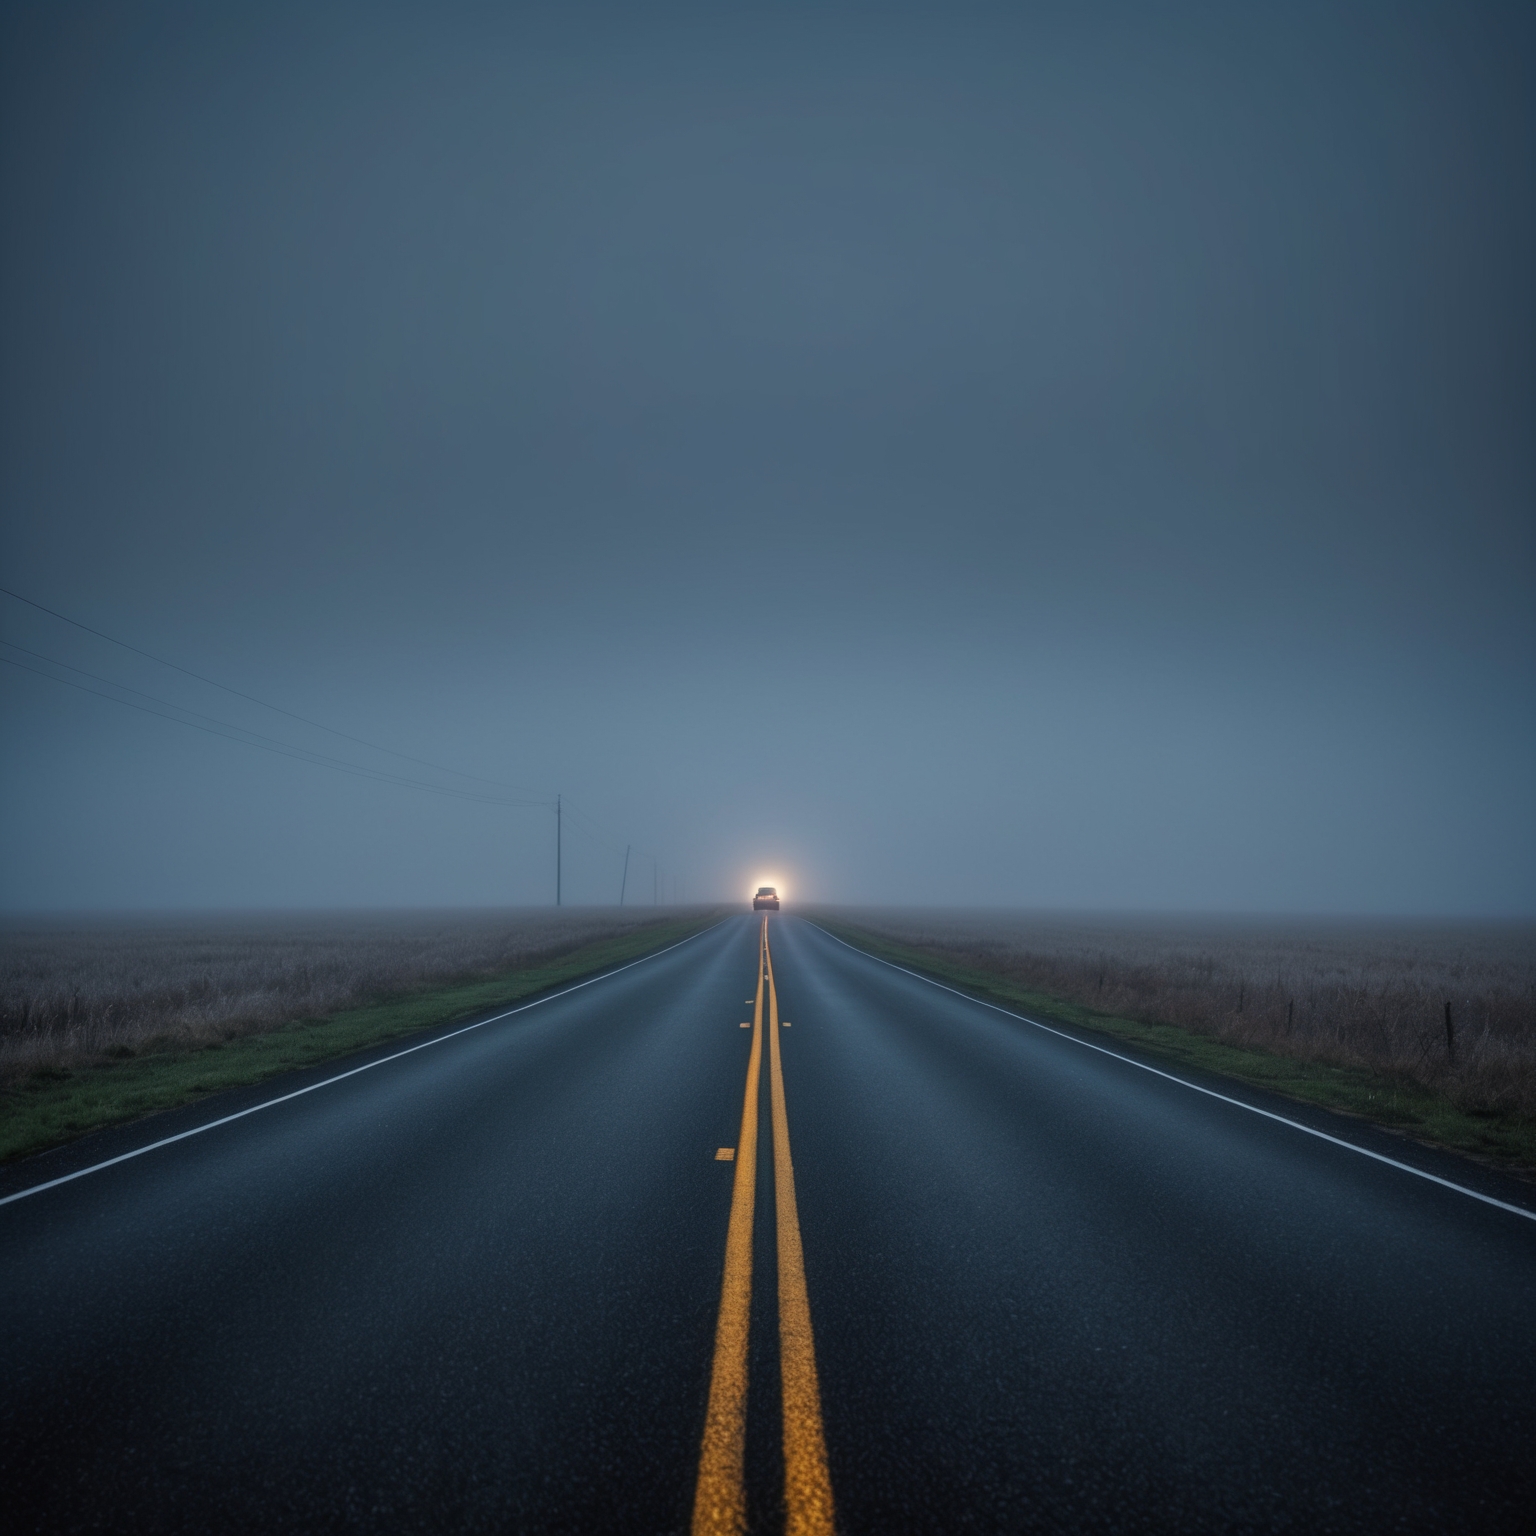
x=766 y=900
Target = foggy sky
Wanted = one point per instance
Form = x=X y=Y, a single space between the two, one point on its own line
x=1055 y=455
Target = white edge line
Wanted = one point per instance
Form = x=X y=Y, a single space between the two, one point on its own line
x=1253 y=1109
x=298 y=1093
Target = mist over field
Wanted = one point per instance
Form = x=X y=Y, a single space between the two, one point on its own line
x=90 y=989
x=1055 y=457
x=86 y=990
x=1451 y=1006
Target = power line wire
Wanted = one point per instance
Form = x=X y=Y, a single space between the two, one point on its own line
x=243 y=736
x=251 y=698
x=215 y=727
x=240 y=733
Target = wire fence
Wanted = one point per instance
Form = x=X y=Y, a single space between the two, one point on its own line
x=1451 y=1006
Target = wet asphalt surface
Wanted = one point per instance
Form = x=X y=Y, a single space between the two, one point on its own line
x=474 y=1289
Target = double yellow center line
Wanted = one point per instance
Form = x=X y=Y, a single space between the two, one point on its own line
x=720 y=1504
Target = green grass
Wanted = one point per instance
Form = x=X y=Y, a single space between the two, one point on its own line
x=54 y=1106
x=1507 y=1141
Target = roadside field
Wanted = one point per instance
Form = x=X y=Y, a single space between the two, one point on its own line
x=107 y=1022
x=1429 y=1029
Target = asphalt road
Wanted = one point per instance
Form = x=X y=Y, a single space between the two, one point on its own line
x=483 y=1286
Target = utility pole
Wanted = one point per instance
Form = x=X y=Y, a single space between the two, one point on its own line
x=655 y=886
x=559 y=850
x=623 y=884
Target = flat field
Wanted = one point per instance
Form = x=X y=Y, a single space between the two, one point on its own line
x=74 y=992
x=1394 y=1018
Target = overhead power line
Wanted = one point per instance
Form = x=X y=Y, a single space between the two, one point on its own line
x=242 y=734
x=251 y=698
x=211 y=725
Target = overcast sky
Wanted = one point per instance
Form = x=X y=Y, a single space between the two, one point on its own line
x=1070 y=455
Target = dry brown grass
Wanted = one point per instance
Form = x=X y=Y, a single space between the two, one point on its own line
x=74 y=991
x=1354 y=993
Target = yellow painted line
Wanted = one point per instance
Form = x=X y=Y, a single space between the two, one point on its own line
x=807 y=1483
x=720 y=1498
x=726 y=1155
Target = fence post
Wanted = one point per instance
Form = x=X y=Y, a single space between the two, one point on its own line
x=1450 y=1034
